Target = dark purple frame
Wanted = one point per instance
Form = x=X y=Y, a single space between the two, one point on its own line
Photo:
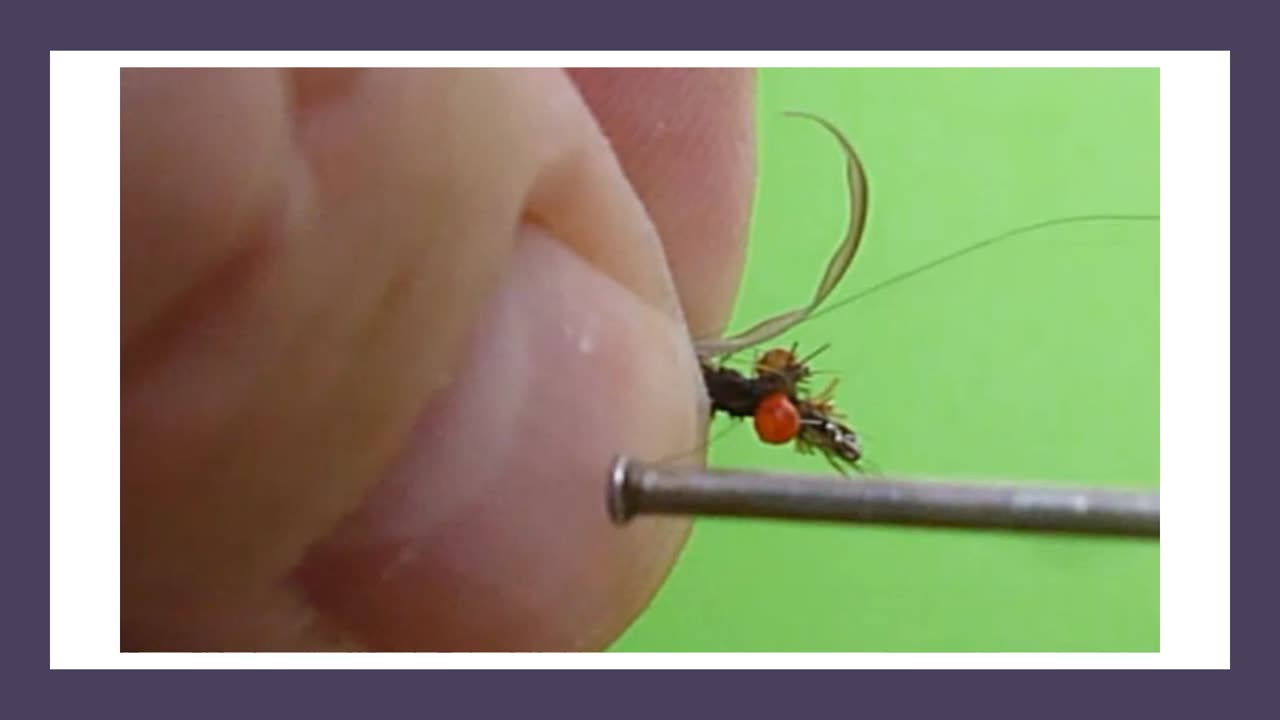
x=908 y=25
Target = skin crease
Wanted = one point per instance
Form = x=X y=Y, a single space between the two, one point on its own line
x=382 y=332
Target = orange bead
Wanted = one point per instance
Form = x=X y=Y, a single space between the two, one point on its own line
x=776 y=419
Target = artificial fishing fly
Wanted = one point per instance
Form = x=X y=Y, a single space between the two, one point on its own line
x=775 y=396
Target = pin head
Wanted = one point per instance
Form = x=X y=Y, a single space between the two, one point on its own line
x=617 y=498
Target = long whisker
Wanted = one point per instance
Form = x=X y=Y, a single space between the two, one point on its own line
x=933 y=264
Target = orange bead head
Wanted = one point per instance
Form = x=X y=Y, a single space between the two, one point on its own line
x=777 y=421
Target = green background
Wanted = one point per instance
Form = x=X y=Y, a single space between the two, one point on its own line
x=1035 y=359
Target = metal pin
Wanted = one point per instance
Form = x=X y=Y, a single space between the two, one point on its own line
x=637 y=488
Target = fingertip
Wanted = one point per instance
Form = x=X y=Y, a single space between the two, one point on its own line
x=491 y=531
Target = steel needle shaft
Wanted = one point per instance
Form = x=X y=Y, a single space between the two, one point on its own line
x=637 y=488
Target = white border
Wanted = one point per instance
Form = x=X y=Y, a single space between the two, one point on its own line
x=84 y=365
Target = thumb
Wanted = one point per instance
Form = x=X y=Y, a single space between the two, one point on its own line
x=364 y=403
x=489 y=533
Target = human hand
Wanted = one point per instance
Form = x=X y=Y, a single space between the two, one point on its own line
x=383 y=331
